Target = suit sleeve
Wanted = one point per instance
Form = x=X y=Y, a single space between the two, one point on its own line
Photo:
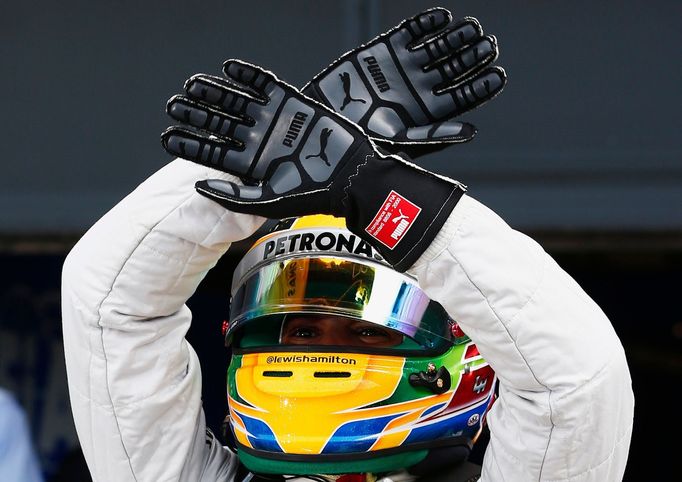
x=566 y=405
x=134 y=381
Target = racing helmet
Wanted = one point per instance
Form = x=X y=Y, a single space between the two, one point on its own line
x=332 y=409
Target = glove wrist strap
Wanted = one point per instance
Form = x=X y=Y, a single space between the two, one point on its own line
x=397 y=207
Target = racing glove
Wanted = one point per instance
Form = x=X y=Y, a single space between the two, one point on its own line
x=406 y=86
x=299 y=157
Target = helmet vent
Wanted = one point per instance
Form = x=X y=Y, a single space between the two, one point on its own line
x=278 y=373
x=332 y=375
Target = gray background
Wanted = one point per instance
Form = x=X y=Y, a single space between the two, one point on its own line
x=584 y=137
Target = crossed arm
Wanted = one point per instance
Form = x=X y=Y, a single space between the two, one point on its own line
x=565 y=406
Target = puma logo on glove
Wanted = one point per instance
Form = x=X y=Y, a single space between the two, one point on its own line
x=324 y=138
x=347 y=99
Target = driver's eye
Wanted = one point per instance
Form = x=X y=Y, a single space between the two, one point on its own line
x=303 y=332
x=370 y=332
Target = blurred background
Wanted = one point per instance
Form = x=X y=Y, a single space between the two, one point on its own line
x=581 y=151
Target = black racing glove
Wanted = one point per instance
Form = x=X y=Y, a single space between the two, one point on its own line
x=302 y=158
x=407 y=85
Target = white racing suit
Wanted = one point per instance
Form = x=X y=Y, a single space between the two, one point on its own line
x=565 y=408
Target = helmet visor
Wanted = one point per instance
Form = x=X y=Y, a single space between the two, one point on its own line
x=338 y=287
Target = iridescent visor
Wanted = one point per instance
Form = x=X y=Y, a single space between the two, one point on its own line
x=334 y=286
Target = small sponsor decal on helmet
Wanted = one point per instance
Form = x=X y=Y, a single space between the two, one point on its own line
x=393 y=220
x=473 y=420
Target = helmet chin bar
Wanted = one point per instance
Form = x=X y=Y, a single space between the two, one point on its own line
x=423 y=457
x=457 y=440
x=418 y=455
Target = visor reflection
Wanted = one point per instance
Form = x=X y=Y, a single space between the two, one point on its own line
x=351 y=289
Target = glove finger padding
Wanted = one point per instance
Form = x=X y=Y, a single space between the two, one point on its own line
x=219 y=92
x=411 y=79
x=203 y=116
x=457 y=65
x=197 y=146
x=455 y=37
x=426 y=23
x=477 y=90
x=247 y=75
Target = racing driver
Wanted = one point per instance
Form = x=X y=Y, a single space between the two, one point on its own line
x=352 y=332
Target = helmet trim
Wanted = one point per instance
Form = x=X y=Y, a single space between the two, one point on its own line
x=457 y=440
x=385 y=463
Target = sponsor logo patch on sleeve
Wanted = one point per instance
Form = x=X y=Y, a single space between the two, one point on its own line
x=394 y=218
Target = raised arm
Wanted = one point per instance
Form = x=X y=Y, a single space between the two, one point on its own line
x=134 y=381
x=566 y=405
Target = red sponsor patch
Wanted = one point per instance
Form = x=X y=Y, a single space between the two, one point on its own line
x=394 y=219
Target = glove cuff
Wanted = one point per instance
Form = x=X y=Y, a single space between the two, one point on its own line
x=398 y=207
